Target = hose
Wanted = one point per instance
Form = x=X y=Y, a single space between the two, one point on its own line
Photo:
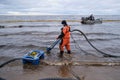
x=78 y=45
x=75 y=75
x=5 y=63
x=104 y=54
x=2 y=78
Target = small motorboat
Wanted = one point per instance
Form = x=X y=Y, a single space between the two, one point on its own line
x=86 y=20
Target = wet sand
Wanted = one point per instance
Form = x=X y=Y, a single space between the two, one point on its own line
x=17 y=71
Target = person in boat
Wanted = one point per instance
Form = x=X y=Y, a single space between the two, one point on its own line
x=91 y=17
x=65 y=38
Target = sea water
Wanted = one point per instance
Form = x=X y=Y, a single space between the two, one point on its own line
x=41 y=31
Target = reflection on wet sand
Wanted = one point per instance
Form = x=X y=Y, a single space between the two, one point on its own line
x=30 y=67
x=64 y=70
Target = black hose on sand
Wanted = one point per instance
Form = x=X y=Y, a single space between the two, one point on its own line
x=5 y=63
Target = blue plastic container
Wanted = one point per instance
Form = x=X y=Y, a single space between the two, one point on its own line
x=33 y=57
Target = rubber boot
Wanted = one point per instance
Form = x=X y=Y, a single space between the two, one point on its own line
x=69 y=52
x=61 y=54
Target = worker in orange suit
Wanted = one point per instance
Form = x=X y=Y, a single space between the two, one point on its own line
x=65 y=38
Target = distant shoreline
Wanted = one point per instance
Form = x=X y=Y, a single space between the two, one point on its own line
x=14 y=21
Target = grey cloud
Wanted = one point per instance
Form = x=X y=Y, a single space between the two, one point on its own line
x=60 y=6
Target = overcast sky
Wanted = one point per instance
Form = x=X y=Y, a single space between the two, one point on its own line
x=60 y=7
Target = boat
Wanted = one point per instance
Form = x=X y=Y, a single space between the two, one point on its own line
x=85 y=20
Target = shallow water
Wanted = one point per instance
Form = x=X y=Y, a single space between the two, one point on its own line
x=15 y=42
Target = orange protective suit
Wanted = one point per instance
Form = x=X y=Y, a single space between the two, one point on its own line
x=65 y=42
